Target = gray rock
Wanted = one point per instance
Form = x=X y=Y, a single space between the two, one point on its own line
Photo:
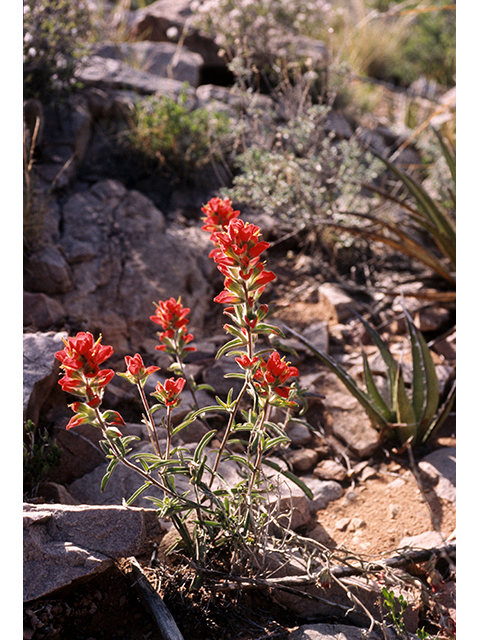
x=63 y=543
x=330 y=470
x=47 y=271
x=323 y=631
x=441 y=466
x=164 y=59
x=123 y=259
x=334 y=304
x=324 y=491
x=40 y=370
x=116 y=74
x=41 y=312
x=170 y=21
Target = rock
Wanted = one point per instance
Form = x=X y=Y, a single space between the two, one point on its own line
x=302 y=459
x=66 y=136
x=214 y=376
x=317 y=334
x=63 y=543
x=334 y=304
x=330 y=470
x=41 y=312
x=345 y=418
x=170 y=21
x=164 y=59
x=441 y=466
x=324 y=631
x=299 y=434
x=40 y=370
x=123 y=259
x=47 y=271
x=111 y=74
x=324 y=491
x=81 y=454
x=447 y=347
x=427 y=540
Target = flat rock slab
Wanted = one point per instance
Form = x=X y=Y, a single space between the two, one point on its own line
x=65 y=543
x=330 y=632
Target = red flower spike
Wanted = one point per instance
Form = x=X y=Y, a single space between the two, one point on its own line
x=82 y=353
x=218 y=214
x=170 y=314
x=272 y=375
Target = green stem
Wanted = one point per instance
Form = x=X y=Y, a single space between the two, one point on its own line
x=152 y=432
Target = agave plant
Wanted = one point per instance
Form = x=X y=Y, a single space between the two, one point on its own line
x=426 y=215
x=403 y=417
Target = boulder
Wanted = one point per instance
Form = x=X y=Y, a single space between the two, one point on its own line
x=123 y=259
x=171 y=21
x=40 y=370
x=47 y=271
x=164 y=59
x=111 y=74
x=65 y=543
x=41 y=312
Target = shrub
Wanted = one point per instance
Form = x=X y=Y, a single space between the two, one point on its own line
x=54 y=33
x=175 y=138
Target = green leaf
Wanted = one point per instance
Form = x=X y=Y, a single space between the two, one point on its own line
x=202 y=444
x=108 y=473
x=404 y=409
x=138 y=492
x=442 y=415
x=233 y=344
x=372 y=389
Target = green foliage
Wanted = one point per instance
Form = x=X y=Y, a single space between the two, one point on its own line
x=395 y=616
x=427 y=233
x=400 y=416
x=176 y=138
x=54 y=34
x=306 y=174
x=40 y=456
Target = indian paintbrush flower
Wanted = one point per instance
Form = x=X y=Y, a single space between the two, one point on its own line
x=218 y=214
x=168 y=392
x=171 y=315
x=136 y=372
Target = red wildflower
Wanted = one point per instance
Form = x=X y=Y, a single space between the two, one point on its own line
x=82 y=353
x=136 y=370
x=218 y=215
x=272 y=375
x=170 y=315
x=246 y=363
x=168 y=393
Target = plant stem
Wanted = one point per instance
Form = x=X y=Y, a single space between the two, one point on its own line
x=149 y=422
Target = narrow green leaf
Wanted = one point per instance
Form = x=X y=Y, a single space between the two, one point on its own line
x=375 y=394
x=441 y=416
x=404 y=410
x=138 y=492
x=202 y=444
x=108 y=473
x=232 y=344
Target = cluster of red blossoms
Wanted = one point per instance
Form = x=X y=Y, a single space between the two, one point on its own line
x=80 y=360
x=172 y=317
x=237 y=255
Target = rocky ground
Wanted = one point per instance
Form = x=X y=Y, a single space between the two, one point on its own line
x=106 y=244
